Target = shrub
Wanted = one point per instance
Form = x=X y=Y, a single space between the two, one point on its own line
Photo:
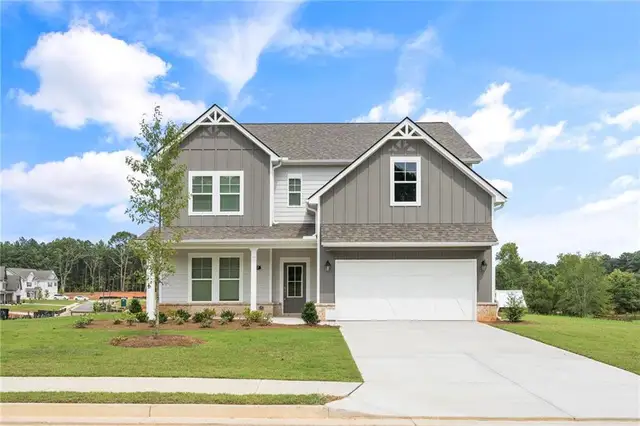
x=227 y=315
x=118 y=339
x=206 y=323
x=129 y=318
x=151 y=323
x=99 y=306
x=209 y=313
x=199 y=317
x=142 y=317
x=162 y=317
x=253 y=316
x=310 y=314
x=88 y=319
x=515 y=309
x=117 y=321
x=224 y=321
x=266 y=320
x=135 y=306
x=171 y=313
x=82 y=322
x=182 y=314
x=245 y=322
x=178 y=321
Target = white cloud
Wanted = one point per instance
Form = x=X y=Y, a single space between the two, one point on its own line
x=96 y=179
x=303 y=43
x=86 y=76
x=545 y=137
x=491 y=127
x=118 y=213
x=399 y=107
x=622 y=149
x=625 y=182
x=609 y=225
x=502 y=185
x=626 y=119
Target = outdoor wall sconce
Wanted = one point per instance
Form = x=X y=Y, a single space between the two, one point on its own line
x=327 y=266
x=259 y=267
x=483 y=266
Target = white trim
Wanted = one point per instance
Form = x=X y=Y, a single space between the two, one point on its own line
x=392 y=181
x=327 y=162
x=216 y=116
x=253 y=274
x=318 y=254
x=215 y=277
x=215 y=192
x=499 y=198
x=289 y=177
x=283 y=260
x=249 y=241
x=270 y=275
x=409 y=244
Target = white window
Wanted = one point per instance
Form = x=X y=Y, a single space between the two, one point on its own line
x=405 y=181
x=216 y=193
x=295 y=190
x=215 y=277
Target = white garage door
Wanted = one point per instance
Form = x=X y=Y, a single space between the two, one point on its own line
x=405 y=289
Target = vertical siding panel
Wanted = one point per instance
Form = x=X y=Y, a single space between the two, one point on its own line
x=386 y=210
x=433 y=203
x=458 y=196
x=469 y=201
x=373 y=201
x=445 y=193
x=340 y=196
x=351 y=194
x=365 y=191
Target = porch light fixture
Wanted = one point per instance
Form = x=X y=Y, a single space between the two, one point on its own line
x=327 y=266
x=483 y=266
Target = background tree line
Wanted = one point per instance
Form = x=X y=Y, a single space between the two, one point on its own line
x=580 y=285
x=81 y=266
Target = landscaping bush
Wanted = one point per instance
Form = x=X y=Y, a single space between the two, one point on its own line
x=266 y=320
x=117 y=321
x=310 y=314
x=227 y=315
x=171 y=313
x=224 y=321
x=253 y=316
x=206 y=323
x=162 y=317
x=129 y=318
x=135 y=306
x=100 y=307
x=245 y=322
x=198 y=317
x=178 y=321
x=515 y=309
x=142 y=317
x=182 y=314
x=82 y=322
x=209 y=313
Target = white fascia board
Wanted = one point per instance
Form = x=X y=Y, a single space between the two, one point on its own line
x=327 y=162
x=289 y=243
x=408 y=244
x=422 y=136
x=231 y=122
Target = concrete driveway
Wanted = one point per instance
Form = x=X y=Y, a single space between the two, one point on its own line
x=467 y=369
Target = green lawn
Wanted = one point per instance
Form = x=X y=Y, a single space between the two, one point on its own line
x=612 y=342
x=162 y=398
x=31 y=307
x=313 y=353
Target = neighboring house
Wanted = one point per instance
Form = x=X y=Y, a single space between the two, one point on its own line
x=371 y=221
x=27 y=283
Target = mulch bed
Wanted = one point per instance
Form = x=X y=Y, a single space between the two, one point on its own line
x=234 y=325
x=146 y=341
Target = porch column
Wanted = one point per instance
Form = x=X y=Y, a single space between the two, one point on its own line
x=254 y=278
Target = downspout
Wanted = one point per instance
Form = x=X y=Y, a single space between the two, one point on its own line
x=272 y=190
x=316 y=215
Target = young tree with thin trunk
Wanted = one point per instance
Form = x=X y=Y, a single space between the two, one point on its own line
x=158 y=196
x=66 y=253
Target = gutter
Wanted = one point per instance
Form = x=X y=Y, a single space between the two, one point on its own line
x=272 y=189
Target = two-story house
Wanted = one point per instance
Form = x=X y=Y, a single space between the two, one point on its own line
x=31 y=283
x=371 y=221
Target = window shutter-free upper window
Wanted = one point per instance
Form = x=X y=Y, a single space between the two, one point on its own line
x=295 y=191
x=405 y=181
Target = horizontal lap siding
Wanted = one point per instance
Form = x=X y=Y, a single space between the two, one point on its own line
x=313 y=178
x=224 y=148
x=448 y=195
x=175 y=287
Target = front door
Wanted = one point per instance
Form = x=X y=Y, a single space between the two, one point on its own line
x=295 y=287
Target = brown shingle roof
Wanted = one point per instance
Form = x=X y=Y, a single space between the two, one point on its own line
x=346 y=141
x=280 y=231
x=415 y=232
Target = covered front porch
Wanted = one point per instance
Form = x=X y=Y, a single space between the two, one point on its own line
x=276 y=277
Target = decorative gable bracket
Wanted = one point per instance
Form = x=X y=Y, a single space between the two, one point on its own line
x=406 y=131
x=215 y=118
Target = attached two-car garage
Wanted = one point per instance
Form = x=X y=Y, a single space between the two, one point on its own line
x=433 y=289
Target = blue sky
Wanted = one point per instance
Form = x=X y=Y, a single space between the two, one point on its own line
x=548 y=93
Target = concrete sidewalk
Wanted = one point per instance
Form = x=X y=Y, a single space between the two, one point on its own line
x=174 y=384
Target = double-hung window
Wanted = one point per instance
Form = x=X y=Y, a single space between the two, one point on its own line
x=295 y=190
x=216 y=193
x=215 y=278
x=405 y=181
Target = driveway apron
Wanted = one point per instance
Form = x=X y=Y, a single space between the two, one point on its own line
x=467 y=369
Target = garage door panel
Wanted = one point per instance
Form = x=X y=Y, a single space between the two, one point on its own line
x=405 y=289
